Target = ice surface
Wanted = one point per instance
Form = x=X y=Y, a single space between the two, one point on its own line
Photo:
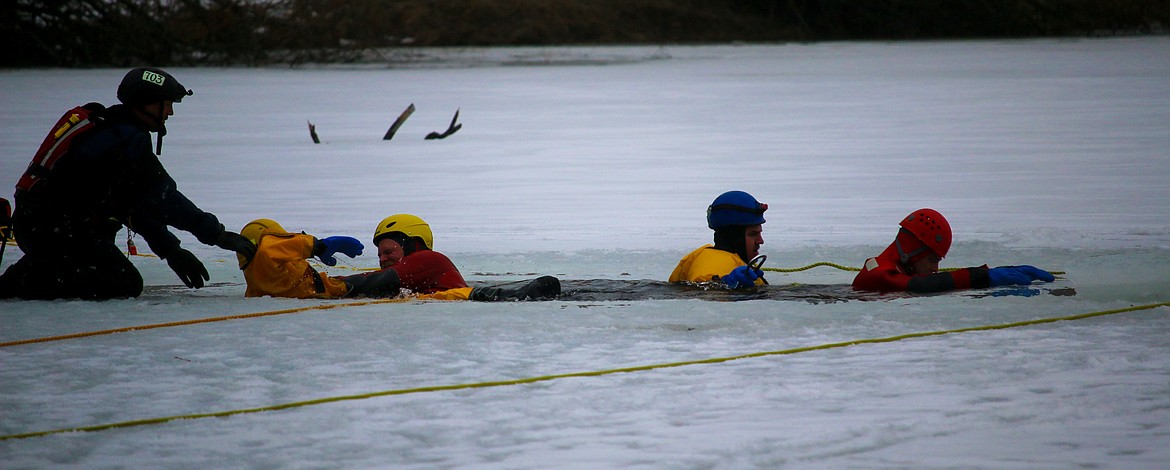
x=598 y=163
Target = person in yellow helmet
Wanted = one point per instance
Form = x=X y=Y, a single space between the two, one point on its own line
x=405 y=246
x=737 y=219
x=280 y=269
x=404 y=243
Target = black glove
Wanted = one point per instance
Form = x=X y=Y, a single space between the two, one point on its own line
x=188 y=267
x=237 y=243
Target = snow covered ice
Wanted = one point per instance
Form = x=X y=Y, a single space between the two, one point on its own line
x=598 y=163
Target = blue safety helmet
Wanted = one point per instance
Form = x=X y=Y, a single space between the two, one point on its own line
x=735 y=208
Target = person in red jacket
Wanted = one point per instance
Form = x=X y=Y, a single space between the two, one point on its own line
x=910 y=263
x=405 y=246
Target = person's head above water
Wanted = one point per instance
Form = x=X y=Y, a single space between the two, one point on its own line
x=737 y=219
x=923 y=239
x=400 y=235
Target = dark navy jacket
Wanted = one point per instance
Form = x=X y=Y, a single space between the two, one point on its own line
x=110 y=177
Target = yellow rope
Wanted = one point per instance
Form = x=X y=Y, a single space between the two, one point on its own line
x=778 y=270
x=438 y=388
x=806 y=268
x=850 y=268
x=201 y=320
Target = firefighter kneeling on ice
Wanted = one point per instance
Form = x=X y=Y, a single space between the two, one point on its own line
x=95 y=173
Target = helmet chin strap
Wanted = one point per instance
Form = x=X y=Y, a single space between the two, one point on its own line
x=407 y=243
x=904 y=257
x=731 y=239
x=162 y=128
x=158 y=141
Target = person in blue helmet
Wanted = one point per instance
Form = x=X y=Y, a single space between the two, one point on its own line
x=737 y=219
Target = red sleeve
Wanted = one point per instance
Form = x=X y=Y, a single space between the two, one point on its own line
x=428 y=271
x=881 y=276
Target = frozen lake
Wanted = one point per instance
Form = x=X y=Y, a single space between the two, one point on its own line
x=598 y=164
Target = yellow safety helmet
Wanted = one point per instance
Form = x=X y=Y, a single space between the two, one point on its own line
x=410 y=225
x=252 y=232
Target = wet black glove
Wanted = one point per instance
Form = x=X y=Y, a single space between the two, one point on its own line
x=188 y=267
x=237 y=243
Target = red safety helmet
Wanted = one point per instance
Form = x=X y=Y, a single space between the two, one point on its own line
x=930 y=228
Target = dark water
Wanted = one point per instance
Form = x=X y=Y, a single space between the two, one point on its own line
x=610 y=290
x=602 y=290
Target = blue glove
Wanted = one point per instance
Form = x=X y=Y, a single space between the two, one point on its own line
x=1017 y=275
x=743 y=276
x=1036 y=274
x=330 y=245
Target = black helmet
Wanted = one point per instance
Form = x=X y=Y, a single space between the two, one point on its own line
x=150 y=85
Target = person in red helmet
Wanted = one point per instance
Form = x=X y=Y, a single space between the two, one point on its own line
x=737 y=219
x=910 y=263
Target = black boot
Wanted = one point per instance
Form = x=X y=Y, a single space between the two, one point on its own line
x=485 y=294
x=9 y=282
x=541 y=288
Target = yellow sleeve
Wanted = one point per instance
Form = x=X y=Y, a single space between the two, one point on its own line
x=458 y=293
x=279 y=268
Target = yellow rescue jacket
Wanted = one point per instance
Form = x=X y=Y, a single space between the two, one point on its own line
x=707 y=264
x=280 y=270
